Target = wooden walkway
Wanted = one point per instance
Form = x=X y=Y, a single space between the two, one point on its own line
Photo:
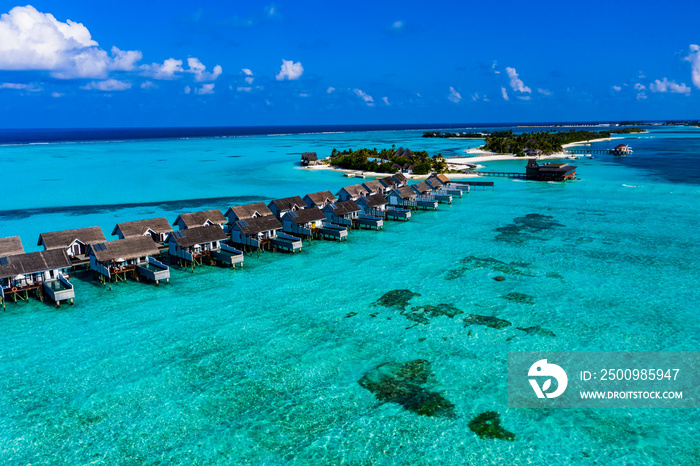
x=506 y=174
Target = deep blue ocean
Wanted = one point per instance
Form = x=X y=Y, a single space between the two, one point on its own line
x=270 y=364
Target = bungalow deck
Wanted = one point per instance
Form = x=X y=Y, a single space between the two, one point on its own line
x=60 y=290
x=426 y=203
x=154 y=270
x=396 y=213
x=228 y=255
x=369 y=222
x=443 y=197
x=286 y=242
x=331 y=231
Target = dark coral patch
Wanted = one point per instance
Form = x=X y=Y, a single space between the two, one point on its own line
x=397 y=299
x=488 y=321
x=405 y=384
x=473 y=263
x=529 y=227
x=521 y=298
x=488 y=425
x=422 y=314
x=537 y=330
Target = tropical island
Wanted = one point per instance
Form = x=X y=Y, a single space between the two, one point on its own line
x=388 y=160
x=463 y=135
x=544 y=142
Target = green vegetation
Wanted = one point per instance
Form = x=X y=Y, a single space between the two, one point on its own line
x=545 y=141
x=438 y=134
x=628 y=131
x=388 y=161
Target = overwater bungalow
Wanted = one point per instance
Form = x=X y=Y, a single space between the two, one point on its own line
x=549 y=171
x=352 y=192
x=309 y=158
x=256 y=231
x=342 y=213
x=400 y=179
x=403 y=197
x=320 y=199
x=244 y=212
x=374 y=187
x=194 y=246
x=114 y=260
x=374 y=205
x=621 y=149
x=389 y=183
x=11 y=246
x=200 y=219
x=427 y=193
x=157 y=229
x=444 y=184
x=74 y=242
x=303 y=222
x=279 y=207
x=40 y=272
x=422 y=188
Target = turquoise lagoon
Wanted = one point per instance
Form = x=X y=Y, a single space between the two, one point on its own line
x=261 y=365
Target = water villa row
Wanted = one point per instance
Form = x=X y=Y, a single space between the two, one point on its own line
x=145 y=249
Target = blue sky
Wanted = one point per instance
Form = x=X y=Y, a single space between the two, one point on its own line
x=221 y=63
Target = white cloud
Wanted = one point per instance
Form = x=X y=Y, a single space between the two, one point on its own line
x=694 y=59
x=524 y=97
x=330 y=90
x=31 y=40
x=168 y=70
x=247 y=72
x=617 y=88
x=205 y=89
x=397 y=27
x=639 y=86
x=386 y=100
x=125 y=60
x=14 y=86
x=454 y=95
x=244 y=89
x=669 y=86
x=303 y=95
x=147 y=85
x=199 y=70
x=544 y=91
x=504 y=93
x=187 y=89
x=516 y=83
x=493 y=67
x=108 y=85
x=290 y=70
x=364 y=96
x=57 y=94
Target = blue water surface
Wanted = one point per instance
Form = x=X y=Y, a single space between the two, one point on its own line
x=261 y=365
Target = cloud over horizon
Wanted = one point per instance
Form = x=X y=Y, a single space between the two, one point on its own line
x=31 y=40
x=516 y=83
x=290 y=70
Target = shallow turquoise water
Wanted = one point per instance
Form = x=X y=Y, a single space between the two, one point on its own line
x=261 y=365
